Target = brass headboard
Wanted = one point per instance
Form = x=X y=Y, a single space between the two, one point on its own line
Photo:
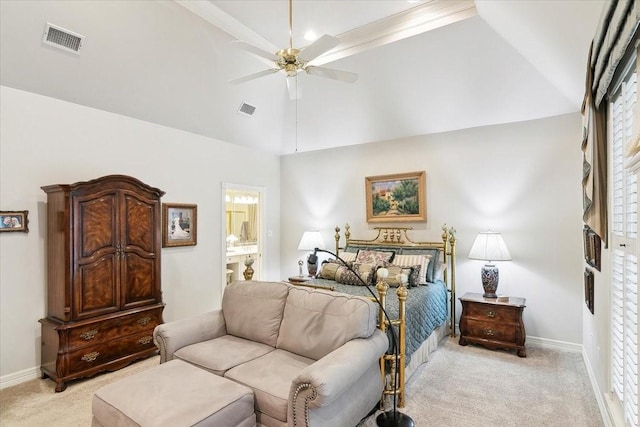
x=397 y=237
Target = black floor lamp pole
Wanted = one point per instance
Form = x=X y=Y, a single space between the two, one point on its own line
x=391 y=418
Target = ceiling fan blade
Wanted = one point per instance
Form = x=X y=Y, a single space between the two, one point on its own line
x=343 y=76
x=293 y=87
x=262 y=55
x=254 y=76
x=318 y=47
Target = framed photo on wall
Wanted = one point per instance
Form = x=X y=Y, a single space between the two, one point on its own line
x=399 y=197
x=179 y=225
x=14 y=221
x=592 y=247
x=588 y=289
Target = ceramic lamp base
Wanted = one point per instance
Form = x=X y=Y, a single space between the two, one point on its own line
x=489 y=275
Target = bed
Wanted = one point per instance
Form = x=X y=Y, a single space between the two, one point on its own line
x=421 y=313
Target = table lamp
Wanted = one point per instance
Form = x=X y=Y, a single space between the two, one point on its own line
x=311 y=240
x=489 y=246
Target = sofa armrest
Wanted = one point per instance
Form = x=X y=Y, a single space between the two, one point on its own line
x=172 y=336
x=320 y=383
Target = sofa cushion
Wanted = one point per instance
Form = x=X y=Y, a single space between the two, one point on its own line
x=270 y=378
x=260 y=325
x=221 y=354
x=316 y=321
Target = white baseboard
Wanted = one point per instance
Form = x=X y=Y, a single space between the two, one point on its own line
x=607 y=418
x=553 y=344
x=19 y=377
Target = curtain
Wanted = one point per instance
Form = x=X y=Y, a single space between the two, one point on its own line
x=594 y=160
x=614 y=34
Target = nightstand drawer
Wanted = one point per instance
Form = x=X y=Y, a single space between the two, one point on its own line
x=492 y=312
x=491 y=331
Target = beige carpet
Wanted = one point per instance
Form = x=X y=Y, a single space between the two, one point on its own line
x=471 y=386
x=460 y=386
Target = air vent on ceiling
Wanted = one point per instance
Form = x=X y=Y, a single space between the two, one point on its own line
x=246 y=109
x=63 y=39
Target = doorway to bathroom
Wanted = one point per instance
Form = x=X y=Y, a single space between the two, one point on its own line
x=244 y=236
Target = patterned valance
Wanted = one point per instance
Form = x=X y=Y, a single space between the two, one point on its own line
x=615 y=31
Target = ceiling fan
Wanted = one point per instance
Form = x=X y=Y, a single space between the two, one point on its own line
x=291 y=60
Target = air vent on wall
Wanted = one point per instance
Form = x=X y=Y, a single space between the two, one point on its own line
x=246 y=109
x=63 y=39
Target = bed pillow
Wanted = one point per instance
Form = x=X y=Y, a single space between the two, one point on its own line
x=435 y=256
x=328 y=270
x=411 y=260
x=381 y=258
x=438 y=271
x=413 y=275
x=366 y=272
x=348 y=256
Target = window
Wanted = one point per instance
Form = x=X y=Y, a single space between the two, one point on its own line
x=624 y=254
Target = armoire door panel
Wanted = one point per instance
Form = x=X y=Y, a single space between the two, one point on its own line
x=96 y=290
x=139 y=279
x=140 y=224
x=97 y=225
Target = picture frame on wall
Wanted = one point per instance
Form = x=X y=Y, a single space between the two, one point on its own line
x=398 y=197
x=14 y=221
x=592 y=247
x=179 y=225
x=588 y=289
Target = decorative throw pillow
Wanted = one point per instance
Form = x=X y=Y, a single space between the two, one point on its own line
x=435 y=256
x=412 y=273
x=348 y=277
x=347 y=256
x=328 y=270
x=367 y=272
x=411 y=260
x=339 y=272
x=380 y=258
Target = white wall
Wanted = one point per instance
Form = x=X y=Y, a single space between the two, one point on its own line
x=47 y=141
x=521 y=179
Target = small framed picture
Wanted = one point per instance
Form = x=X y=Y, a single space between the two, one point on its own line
x=588 y=289
x=179 y=225
x=14 y=221
x=592 y=247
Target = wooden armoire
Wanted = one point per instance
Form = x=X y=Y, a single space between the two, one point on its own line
x=103 y=285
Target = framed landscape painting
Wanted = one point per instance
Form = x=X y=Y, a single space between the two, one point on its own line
x=179 y=225
x=396 y=198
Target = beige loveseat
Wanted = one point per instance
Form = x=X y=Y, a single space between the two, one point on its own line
x=311 y=357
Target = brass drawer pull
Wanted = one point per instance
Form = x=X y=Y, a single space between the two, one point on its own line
x=90 y=357
x=491 y=313
x=145 y=340
x=489 y=332
x=89 y=335
x=144 y=321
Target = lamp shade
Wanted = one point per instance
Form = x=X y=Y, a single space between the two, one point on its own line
x=489 y=246
x=311 y=240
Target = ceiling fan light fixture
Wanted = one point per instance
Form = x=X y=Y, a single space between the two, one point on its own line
x=291 y=60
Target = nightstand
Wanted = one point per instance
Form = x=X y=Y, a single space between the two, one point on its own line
x=493 y=323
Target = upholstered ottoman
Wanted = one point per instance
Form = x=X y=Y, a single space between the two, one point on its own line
x=173 y=394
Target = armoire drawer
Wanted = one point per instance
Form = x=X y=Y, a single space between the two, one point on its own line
x=91 y=357
x=90 y=334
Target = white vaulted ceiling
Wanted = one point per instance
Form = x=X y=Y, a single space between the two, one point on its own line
x=481 y=63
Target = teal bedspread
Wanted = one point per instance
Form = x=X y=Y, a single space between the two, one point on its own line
x=426 y=308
